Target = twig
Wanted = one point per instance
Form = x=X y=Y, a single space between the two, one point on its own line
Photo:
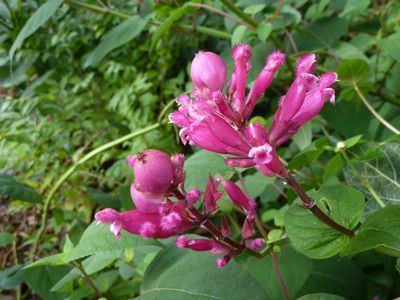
x=382 y=120
x=279 y=190
x=90 y=142
x=278 y=272
x=386 y=75
x=276 y=11
x=292 y=42
x=223 y=14
x=88 y=280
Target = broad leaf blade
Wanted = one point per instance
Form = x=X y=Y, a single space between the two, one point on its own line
x=20 y=191
x=383 y=173
x=182 y=274
x=352 y=71
x=98 y=238
x=117 y=37
x=314 y=238
x=381 y=229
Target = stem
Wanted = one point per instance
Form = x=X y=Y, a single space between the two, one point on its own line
x=310 y=204
x=68 y=173
x=88 y=280
x=386 y=75
x=278 y=272
x=97 y=9
x=222 y=13
x=364 y=181
x=382 y=120
x=276 y=11
x=229 y=5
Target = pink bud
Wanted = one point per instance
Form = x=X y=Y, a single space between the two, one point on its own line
x=241 y=53
x=225 y=229
x=237 y=196
x=178 y=160
x=221 y=262
x=193 y=196
x=211 y=195
x=275 y=60
x=247 y=230
x=196 y=245
x=182 y=241
x=254 y=244
x=306 y=64
x=145 y=201
x=208 y=71
x=219 y=248
x=153 y=170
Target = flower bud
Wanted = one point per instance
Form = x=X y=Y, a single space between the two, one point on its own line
x=153 y=170
x=208 y=71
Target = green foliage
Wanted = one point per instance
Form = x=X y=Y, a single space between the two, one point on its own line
x=20 y=191
x=167 y=277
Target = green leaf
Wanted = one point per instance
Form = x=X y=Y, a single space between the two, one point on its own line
x=257 y=183
x=6 y=238
x=117 y=37
x=98 y=239
x=352 y=71
x=55 y=259
x=321 y=296
x=320 y=34
x=35 y=21
x=202 y=163
x=309 y=154
x=238 y=34
x=351 y=142
x=340 y=277
x=263 y=31
x=383 y=173
x=351 y=95
x=303 y=137
x=294 y=274
x=17 y=190
x=104 y=199
x=126 y=199
x=391 y=45
x=311 y=236
x=42 y=278
x=334 y=166
x=182 y=274
x=379 y=229
x=11 y=277
x=175 y=15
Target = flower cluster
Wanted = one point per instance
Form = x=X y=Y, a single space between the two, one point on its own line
x=165 y=209
x=217 y=122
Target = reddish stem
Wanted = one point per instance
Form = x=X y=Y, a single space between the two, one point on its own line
x=278 y=272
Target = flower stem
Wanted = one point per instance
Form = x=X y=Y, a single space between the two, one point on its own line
x=68 y=173
x=88 y=280
x=278 y=272
x=364 y=181
x=310 y=204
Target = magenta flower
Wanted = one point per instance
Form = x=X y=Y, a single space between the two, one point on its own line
x=208 y=71
x=236 y=194
x=137 y=222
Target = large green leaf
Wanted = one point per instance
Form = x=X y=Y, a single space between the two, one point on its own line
x=117 y=37
x=202 y=163
x=320 y=34
x=309 y=155
x=383 y=173
x=35 y=21
x=185 y=274
x=381 y=229
x=391 y=45
x=352 y=71
x=98 y=238
x=294 y=275
x=257 y=183
x=42 y=278
x=314 y=238
x=340 y=277
x=20 y=191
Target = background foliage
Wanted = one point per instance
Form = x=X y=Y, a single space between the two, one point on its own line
x=85 y=84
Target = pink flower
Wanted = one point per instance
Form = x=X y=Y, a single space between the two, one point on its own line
x=237 y=195
x=144 y=166
x=137 y=222
x=208 y=71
